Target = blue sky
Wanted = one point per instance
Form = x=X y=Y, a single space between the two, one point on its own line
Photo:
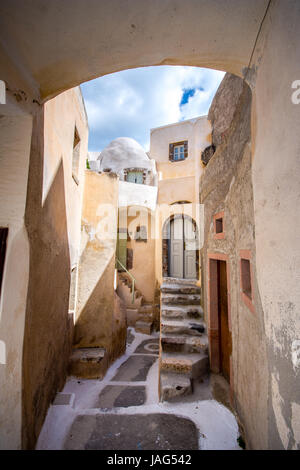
x=130 y=103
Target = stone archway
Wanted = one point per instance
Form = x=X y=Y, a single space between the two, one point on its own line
x=166 y=244
x=38 y=61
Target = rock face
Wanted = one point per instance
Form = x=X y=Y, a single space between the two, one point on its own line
x=224 y=106
x=226 y=188
x=183 y=355
x=222 y=111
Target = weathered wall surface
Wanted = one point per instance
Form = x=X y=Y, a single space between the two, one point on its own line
x=47 y=338
x=15 y=135
x=226 y=186
x=98 y=323
x=275 y=175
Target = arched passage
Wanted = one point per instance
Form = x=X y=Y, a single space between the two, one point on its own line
x=63 y=44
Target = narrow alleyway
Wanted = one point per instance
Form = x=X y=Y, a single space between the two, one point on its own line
x=122 y=411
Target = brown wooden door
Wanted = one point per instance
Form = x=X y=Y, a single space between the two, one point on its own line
x=224 y=332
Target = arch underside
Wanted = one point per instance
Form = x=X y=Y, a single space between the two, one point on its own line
x=63 y=44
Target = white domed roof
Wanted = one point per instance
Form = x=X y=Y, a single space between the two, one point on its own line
x=122 y=153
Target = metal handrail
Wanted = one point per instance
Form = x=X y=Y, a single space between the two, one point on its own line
x=131 y=276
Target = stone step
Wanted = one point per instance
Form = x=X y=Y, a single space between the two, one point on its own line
x=174 y=385
x=184 y=326
x=180 y=289
x=181 y=299
x=88 y=363
x=144 y=327
x=146 y=317
x=181 y=311
x=193 y=365
x=146 y=308
x=184 y=344
x=178 y=280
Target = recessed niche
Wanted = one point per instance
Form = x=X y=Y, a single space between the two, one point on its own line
x=219 y=225
x=246 y=277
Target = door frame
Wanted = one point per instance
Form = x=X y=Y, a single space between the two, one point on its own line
x=166 y=239
x=213 y=313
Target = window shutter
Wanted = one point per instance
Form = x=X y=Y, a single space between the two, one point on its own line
x=171 y=151
x=185 y=143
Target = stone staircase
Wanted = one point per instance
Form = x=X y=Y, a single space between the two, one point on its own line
x=139 y=312
x=183 y=338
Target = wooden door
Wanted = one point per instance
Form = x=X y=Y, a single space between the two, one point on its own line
x=190 y=246
x=176 y=248
x=224 y=332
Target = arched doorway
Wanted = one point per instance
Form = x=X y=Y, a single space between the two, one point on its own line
x=180 y=248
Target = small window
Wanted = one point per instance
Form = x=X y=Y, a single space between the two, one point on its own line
x=141 y=233
x=219 y=226
x=246 y=279
x=178 y=151
x=135 y=177
x=76 y=155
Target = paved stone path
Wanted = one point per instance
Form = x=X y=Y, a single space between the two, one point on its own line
x=122 y=411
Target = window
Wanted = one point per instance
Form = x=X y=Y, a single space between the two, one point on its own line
x=76 y=155
x=135 y=177
x=246 y=279
x=219 y=226
x=178 y=151
x=141 y=234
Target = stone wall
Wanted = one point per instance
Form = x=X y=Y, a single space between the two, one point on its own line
x=51 y=218
x=226 y=186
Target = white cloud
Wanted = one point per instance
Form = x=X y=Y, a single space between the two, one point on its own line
x=129 y=103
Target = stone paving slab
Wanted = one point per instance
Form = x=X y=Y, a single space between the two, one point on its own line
x=135 y=369
x=157 y=431
x=149 y=346
x=121 y=396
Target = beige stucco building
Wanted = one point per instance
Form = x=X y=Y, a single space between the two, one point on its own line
x=50 y=50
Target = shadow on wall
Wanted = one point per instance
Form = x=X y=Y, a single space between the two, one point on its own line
x=47 y=327
x=101 y=321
